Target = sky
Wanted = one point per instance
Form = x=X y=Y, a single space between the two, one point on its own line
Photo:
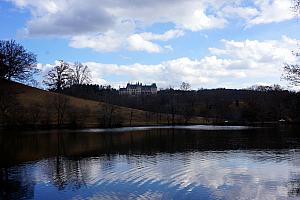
x=207 y=43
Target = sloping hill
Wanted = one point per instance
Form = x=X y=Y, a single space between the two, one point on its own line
x=40 y=107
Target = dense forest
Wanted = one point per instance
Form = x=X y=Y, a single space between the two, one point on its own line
x=256 y=104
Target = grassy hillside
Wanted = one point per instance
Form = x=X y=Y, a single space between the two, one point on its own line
x=30 y=105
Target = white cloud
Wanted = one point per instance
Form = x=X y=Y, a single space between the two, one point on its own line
x=198 y=72
x=105 y=43
x=72 y=17
x=113 y=41
x=261 y=61
x=138 y=43
x=170 y=34
x=39 y=7
x=238 y=64
x=168 y=47
x=242 y=12
x=65 y=18
x=106 y=25
x=272 y=11
x=111 y=25
x=198 y=20
x=254 y=53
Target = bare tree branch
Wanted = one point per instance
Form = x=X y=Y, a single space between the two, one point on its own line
x=185 y=86
x=81 y=74
x=59 y=77
x=16 y=63
x=292 y=73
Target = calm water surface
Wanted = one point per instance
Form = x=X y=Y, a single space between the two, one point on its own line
x=197 y=162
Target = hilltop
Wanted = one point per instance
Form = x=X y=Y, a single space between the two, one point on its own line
x=25 y=105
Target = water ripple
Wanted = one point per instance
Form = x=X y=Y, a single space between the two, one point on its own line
x=155 y=166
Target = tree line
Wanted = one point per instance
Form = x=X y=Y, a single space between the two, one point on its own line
x=254 y=104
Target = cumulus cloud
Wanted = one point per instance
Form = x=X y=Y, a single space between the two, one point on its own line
x=73 y=17
x=104 y=22
x=258 y=50
x=108 y=42
x=173 y=72
x=113 y=41
x=137 y=42
x=65 y=18
x=272 y=11
x=261 y=61
x=170 y=34
x=237 y=64
x=242 y=12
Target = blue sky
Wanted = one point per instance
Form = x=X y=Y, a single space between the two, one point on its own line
x=208 y=43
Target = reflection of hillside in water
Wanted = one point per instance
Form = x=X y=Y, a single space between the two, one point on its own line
x=17 y=148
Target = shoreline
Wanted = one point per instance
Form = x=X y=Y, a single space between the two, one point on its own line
x=138 y=125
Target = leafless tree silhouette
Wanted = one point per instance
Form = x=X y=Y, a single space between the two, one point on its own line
x=292 y=71
x=81 y=74
x=16 y=63
x=59 y=76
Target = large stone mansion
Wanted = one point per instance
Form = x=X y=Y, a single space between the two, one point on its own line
x=138 y=89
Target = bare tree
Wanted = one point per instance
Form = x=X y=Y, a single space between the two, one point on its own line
x=296 y=6
x=185 y=86
x=16 y=63
x=59 y=77
x=7 y=103
x=292 y=71
x=81 y=74
x=78 y=116
x=35 y=111
x=11 y=112
x=3 y=66
x=188 y=113
x=108 y=112
x=109 y=116
x=60 y=104
x=47 y=114
x=173 y=104
x=131 y=115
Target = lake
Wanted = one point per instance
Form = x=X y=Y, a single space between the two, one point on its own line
x=182 y=162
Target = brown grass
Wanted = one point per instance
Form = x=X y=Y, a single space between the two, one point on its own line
x=30 y=97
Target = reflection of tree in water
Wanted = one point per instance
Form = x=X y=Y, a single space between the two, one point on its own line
x=16 y=185
x=66 y=171
x=27 y=147
x=74 y=159
x=294 y=186
x=294 y=183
